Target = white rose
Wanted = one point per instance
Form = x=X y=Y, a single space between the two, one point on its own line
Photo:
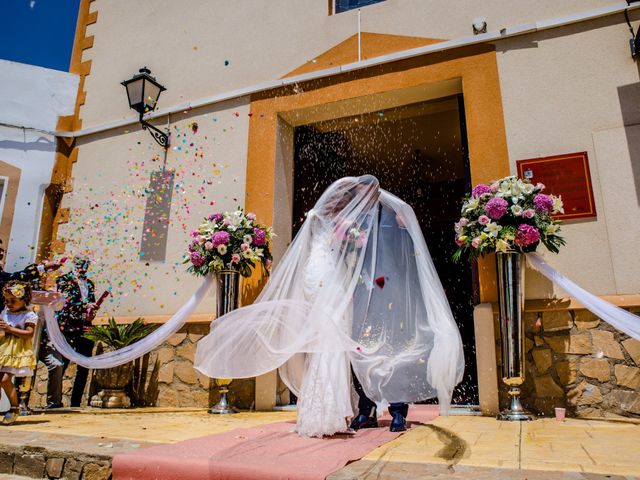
x=222 y=249
x=235 y=218
x=247 y=239
x=516 y=210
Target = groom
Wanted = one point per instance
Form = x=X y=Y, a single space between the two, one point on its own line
x=367 y=417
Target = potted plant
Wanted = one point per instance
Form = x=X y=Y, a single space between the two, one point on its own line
x=228 y=245
x=113 y=380
x=509 y=217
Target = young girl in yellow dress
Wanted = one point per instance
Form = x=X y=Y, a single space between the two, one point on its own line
x=17 y=324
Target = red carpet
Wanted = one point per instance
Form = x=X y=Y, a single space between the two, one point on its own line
x=268 y=452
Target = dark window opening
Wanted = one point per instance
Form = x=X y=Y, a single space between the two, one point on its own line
x=340 y=6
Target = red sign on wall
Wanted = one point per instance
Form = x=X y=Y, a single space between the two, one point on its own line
x=566 y=176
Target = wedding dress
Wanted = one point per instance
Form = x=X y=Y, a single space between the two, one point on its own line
x=324 y=399
x=356 y=289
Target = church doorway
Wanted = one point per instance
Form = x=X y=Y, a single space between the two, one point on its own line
x=419 y=153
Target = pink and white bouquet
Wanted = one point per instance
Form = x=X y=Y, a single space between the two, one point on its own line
x=229 y=241
x=508 y=215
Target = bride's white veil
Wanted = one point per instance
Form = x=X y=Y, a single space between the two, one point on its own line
x=380 y=301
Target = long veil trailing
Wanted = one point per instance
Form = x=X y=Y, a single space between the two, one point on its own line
x=357 y=281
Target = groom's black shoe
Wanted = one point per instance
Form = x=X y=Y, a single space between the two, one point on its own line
x=365 y=419
x=398 y=413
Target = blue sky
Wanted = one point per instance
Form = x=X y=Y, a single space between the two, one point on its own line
x=38 y=32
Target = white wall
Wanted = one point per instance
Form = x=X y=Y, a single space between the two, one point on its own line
x=30 y=97
x=109 y=198
x=560 y=89
x=185 y=44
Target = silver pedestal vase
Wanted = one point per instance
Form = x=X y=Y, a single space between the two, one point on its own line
x=511 y=267
x=227 y=295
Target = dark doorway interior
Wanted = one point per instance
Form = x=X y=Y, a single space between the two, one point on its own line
x=419 y=153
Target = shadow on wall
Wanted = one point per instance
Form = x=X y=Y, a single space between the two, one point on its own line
x=42 y=144
x=629 y=96
x=153 y=245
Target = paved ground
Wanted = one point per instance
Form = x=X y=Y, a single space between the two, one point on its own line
x=455 y=447
x=480 y=447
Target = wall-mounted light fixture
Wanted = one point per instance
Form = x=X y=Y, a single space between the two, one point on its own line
x=143 y=92
x=634 y=41
x=479 y=25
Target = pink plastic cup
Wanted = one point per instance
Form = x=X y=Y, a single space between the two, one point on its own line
x=560 y=414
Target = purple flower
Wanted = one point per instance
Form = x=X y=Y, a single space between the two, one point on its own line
x=194 y=233
x=543 y=203
x=220 y=238
x=526 y=235
x=479 y=190
x=251 y=216
x=496 y=207
x=197 y=259
x=259 y=237
x=216 y=217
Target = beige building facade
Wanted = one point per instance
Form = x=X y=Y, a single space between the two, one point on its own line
x=253 y=85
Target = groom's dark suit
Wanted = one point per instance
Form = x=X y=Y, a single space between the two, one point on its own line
x=366 y=407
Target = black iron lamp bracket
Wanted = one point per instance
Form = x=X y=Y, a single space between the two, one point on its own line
x=634 y=41
x=158 y=135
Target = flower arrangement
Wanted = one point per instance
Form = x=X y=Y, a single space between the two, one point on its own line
x=350 y=234
x=510 y=214
x=229 y=241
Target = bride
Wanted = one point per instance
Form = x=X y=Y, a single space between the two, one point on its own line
x=355 y=290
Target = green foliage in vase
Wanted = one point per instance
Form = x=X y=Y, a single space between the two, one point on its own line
x=116 y=336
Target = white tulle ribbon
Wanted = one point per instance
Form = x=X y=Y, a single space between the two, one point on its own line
x=53 y=301
x=619 y=318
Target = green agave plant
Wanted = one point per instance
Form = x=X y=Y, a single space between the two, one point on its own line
x=114 y=336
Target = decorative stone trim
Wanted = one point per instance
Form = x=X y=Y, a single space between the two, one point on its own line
x=66 y=151
x=171 y=380
x=577 y=361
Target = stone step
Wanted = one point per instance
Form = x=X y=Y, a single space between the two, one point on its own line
x=39 y=462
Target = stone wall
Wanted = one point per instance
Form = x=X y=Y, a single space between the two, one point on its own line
x=170 y=379
x=577 y=361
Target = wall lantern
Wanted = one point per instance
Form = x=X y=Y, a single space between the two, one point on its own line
x=143 y=92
